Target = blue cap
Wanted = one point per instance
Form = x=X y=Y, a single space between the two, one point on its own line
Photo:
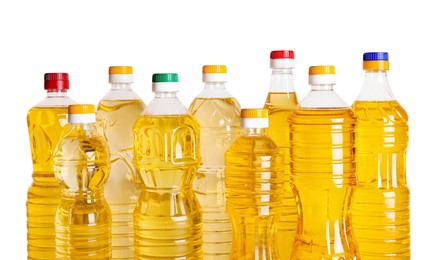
x=375 y=56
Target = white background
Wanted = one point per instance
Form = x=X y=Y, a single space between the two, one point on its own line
x=84 y=38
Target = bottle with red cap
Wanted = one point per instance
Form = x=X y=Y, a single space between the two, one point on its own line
x=46 y=125
x=281 y=101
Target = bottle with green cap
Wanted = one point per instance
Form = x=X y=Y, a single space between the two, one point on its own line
x=117 y=112
x=167 y=217
x=82 y=165
x=380 y=210
x=323 y=170
x=218 y=114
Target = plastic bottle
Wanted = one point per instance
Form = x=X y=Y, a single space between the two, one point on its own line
x=281 y=101
x=82 y=165
x=117 y=113
x=381 y=202
x=218 y=114
x=167 y=217
x=46 y=124
x=254 y=188
x=324 y=172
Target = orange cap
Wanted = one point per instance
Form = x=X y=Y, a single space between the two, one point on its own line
x=81 y=109
x=254 y=113
x=120 y=70
x=214 y=69
x=324 y=69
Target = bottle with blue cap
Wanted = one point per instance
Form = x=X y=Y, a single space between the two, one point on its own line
x=380 y=210
x=167 y=217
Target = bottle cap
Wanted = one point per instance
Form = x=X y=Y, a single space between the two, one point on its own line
x=120 y=74
x=254 y=118
x=322 y=75
x=81 y=113
x=283 y=59
x=214 y=73
x=376 y=61
x=56 y=81
x=165 y=82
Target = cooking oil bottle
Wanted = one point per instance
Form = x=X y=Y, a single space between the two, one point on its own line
x=82 y=165
x=324 y=173
x=254 y=188
x=117 y=113
x=280 y=102
x=167 y=217
x=47 y=122
x=380 y=210
x=218 y=114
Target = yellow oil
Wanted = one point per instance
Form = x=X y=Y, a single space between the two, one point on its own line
x=116 y=119
x=280 y=106
x=83 y=219
x=380 y=210
x=46 y=125
x=324 y=175
x=219 y=120
x=254 y=183
x=167 y=217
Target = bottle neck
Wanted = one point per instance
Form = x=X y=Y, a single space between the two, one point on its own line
x=215 y=85
x=165 y=95
x=322 y=87
x=254 y=131
x=120 y=86
x=83 y=128
x=56 y=93
x=376 y=87
x=282 y=80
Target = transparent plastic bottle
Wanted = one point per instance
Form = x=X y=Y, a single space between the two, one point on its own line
x=380 y=210
x=82 y=165
x=281 y=101
x=117 y=113
x=254 y=188
x=167 y=217
x=47 y=122
x=324 y=172
x=218 y=114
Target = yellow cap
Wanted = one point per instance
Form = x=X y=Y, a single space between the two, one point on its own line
x=120 y=70
x=214 y=69
x=376 y=65
x=81 y=109
x=325 y=69
x=254 y=113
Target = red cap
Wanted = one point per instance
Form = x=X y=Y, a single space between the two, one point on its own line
x=282 y=55
x=56 y=81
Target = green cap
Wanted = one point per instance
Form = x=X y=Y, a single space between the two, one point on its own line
x=165 y=77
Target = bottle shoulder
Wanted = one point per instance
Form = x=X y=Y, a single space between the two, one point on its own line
x=48 y=102
x=216 y=112
x=121 y=95
x=380 y=111
x=257 y=144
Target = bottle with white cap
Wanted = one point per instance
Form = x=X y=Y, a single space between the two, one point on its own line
x=324 y=170
x=82 y=166
x=254 y=188
x=281 y=101
x=117 y=112
x=218 y=114
x=167 y=217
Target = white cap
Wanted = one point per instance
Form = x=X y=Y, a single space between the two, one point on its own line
x=165 y=87
x=282 y=63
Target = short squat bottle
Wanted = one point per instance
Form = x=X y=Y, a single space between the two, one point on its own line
x=83 y=219
x=47 y=123
x=324 y=172
x=167 y=217
x=117 y=112
x=254 y=189
x=380 y=210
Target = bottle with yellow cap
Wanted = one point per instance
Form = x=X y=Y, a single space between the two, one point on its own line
x=82 y=165
x=117 y=112
x=280 y=102
x=324 y=172
x=380 y=210
x=167 y=217
x=47 y=122
x=254 y=188
x=218 y=114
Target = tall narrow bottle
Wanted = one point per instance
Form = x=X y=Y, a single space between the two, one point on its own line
x=381 y=202
x=83 y=218
x=46 y=124
x=281 y=101
x=254 y=189
x=117 y=113
x=324 y=173
x=218 y=114
x=167 y=217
